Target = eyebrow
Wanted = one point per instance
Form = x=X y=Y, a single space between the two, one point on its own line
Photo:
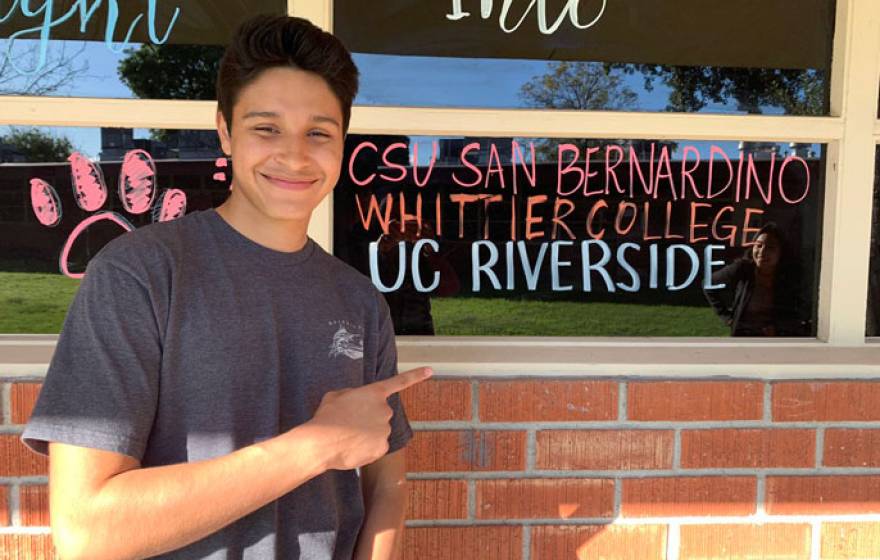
x=273 y=114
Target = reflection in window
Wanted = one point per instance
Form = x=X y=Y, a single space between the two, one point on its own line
x=579 y=237
x=170 y=51
x=690 y=55
x=66 y=193
x=423 y=81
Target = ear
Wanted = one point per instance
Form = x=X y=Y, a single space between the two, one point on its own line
x=223 y=133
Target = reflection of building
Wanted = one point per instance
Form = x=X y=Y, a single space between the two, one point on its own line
x=451 y=148
x=171 y=144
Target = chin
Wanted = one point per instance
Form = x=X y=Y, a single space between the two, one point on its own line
x=289 y=216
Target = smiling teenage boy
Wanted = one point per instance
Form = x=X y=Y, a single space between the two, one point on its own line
x=220 y=378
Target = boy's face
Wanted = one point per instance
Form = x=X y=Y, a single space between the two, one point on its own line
x=286 y=144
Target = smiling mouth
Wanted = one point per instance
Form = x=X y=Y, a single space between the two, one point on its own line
x=290 y=185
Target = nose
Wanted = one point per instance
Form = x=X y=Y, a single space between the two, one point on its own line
x=292 y=153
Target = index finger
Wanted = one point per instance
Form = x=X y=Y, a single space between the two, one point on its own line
x=403 y=380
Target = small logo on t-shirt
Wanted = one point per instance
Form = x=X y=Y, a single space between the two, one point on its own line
x=346 y=343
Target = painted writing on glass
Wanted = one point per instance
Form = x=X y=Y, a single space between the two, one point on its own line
x=540 y=6
x=595 y=171
x=137 y=192
x=612 y=218
x=489 y=265
x=44 y=13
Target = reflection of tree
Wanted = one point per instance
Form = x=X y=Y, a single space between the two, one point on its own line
x=58 y=71
x=582 y=86
x=171 y=71
x=37 y=146
x=797 y=92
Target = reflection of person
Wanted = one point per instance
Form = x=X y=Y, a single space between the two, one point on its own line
x=220 y=378
x=410 y=308
x=757 y=300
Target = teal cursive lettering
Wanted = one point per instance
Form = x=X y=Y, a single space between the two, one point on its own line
x=86 y=9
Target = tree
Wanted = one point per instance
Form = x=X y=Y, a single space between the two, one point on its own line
x=37 y=146
x=581 y=86
x=171 y=71
x=798 y=92
x=57 y=72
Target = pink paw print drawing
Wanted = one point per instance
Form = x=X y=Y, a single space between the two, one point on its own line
x=137 y=192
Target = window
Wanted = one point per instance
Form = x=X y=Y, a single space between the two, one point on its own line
x=65 y=193
x=438 y=86
x=626 y=55
x=584 y=237
x=155 y=50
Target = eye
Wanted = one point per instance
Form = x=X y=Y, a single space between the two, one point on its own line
x=319 y=133
x=268 y=129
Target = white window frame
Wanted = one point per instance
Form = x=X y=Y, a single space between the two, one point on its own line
x=851 y=132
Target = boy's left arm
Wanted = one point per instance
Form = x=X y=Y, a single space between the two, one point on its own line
x=384 y=491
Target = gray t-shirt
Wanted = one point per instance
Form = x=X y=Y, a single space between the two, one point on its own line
x=187 y=341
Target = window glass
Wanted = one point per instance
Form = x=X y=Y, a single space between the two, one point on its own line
x=156 y=49
x=873 y=322
x=626 y=55
x=580 y=237
x=62 y=199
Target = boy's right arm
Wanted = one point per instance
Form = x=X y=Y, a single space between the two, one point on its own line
x=103 y=505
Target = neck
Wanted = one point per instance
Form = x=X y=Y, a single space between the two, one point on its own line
x=287 y=236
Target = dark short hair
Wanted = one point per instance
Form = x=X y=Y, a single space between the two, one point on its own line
x=264 y=41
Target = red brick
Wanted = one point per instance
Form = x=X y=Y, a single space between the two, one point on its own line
x=462 y=543
x=24 y=397
x=748 y=448
x=599 y=542
x=18 y=460
x=813 y=495
x=34 y=509
x=781 y=541
x=466 y=450
x=547 y=401
x=850 y=541
x=437 y=499
x=4 y=506
x=690 y=496
x=852 y=448
x=830 y=401
x=437 y=400
x=695 y=400
x=604 y=449
x=26 y=547
x=545 y=498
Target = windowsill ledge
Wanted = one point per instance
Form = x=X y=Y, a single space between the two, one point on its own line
x=29 y=355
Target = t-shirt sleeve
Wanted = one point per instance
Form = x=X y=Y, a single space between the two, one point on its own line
x=101 y=388
x=386 y=366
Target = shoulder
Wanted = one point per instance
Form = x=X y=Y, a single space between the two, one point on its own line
x=347 y=280
x=148 y=248
x=739 y=267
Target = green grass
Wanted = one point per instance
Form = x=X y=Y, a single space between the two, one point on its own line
x=500 y=317
x=35 y=303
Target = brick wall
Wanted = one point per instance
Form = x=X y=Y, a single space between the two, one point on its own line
x=551 y=469
x=541 y=469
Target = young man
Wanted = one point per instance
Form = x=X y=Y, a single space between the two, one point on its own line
x=220 y=377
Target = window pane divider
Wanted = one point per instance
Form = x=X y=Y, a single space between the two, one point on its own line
x=846 y=227
x=538 y=123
